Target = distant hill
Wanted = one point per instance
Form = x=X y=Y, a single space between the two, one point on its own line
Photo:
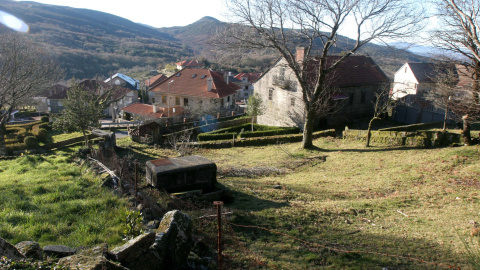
x=90 y=43
x=198 y=34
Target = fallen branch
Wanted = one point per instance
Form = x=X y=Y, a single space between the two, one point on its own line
x=209 y=216
x=402 y=213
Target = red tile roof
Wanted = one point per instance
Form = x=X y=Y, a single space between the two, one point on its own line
x=155 y=79
x=147 y=110
x=193 y=64
x=252 y=77
x=192 y=82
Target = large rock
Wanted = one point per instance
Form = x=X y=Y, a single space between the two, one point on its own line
x=58 y=251
x=174 y=239
x=80 y=262
x=30 y=249
x=10 y=251
x=133 y=249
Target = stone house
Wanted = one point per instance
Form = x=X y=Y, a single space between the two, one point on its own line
x=123 y=80
x=195 y=89
x=245 y=81
x=353 y=83
x=51 y=100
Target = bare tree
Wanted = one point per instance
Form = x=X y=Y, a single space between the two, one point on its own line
x=443 y=95
x=25 y=71
x=204 y=109
x=281 y=25
x=382 y=103
x=181 y=141
x=459 y=33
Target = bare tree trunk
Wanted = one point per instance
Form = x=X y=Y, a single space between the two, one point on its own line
x=445 y=119
x=467 y=139
x=369 y=132
x=85 y=138
x=252 y=122
x=307 y=141
x=3 y=145
x=3 y=131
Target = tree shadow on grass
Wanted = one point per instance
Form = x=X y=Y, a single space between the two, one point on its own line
x=366 y=150
x=333 y=246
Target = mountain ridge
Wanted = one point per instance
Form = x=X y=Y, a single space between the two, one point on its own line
x=89 y=43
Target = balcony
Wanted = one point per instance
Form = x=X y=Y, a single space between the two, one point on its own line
x=284 y=83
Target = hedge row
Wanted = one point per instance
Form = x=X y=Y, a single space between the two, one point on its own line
x=259 y=141
x=216 y=136
x=27 y=126
x=282 y=131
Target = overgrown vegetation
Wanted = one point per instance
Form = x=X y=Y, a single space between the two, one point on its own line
x=50 y=200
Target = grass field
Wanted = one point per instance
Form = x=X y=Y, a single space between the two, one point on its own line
x=52 y=200
x=361 y=208
x=414 y=207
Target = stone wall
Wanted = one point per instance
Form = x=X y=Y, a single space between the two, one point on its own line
x=404 y=138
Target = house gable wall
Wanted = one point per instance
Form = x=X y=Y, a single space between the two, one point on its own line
x=280 y=112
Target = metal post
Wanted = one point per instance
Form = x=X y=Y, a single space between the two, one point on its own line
x=136 y=174
x=219 y=228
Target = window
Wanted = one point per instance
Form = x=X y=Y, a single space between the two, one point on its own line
x=245 y=94
x=281 y=72
x=194 y=75
x=362 y=96
x=246 y=87
x=185 y=102
x=292 y=101
x=164 y=99
x=270 y=94
x=178 y=74
x=153 y=100
x=228 y=99
x=221 y=103
x=350 y=98
x=177 y=101
x=203 y=76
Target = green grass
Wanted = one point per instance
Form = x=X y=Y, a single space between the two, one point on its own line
x=52 y=200
x=58 y=136
x=409 y=202
x=412 y=204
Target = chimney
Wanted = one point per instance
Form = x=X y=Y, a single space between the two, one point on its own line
x=209 y=84
x=300 y=55
x=155 y=108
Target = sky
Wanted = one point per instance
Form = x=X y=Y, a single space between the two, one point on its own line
x=156 y=13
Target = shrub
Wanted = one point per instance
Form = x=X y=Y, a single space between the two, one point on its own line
x=42 y=135
x=44 y=119
x=46 y=126
x=30 y=142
